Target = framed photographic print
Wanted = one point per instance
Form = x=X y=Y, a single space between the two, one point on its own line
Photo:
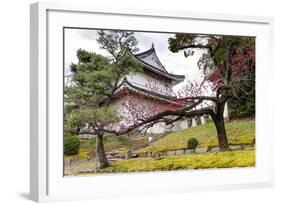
x=132 y=102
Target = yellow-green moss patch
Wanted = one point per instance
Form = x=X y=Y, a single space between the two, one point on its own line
x=243 y=158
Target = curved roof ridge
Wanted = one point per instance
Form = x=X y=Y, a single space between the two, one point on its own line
x=145 y=52
x=149 y=92
x=157 y=59
x=170 y=74
x=154 y=58
x=148 y=63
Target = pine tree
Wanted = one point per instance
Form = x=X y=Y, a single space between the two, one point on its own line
x=94 y=81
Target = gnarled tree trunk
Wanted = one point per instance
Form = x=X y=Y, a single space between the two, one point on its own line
x=102 y=160
x=218 y=119
x=222 y=138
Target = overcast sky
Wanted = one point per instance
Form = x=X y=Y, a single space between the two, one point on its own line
x=174 y=62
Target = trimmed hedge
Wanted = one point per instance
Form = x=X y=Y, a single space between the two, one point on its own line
x=192 y=143
x=71 y=145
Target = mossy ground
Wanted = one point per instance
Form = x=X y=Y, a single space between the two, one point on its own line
x=238 y=132
x=240 y=158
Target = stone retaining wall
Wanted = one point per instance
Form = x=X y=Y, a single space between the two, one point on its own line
x=179 y=152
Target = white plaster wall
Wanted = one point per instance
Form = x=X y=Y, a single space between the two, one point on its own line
x=141 y=80
x=157 y=128
x=203 y=120
x=176 y=126
x=225 y=112
x=183 y=124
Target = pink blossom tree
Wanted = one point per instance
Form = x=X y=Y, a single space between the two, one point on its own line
x=228 y=65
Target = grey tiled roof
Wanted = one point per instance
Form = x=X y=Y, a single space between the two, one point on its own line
x=151 y=62
x=150 y=57
x=126 y=84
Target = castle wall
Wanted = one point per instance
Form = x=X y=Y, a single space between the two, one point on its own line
x=161 y=127
x=118 y=105
x=142 y=80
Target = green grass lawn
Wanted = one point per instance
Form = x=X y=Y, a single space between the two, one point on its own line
x=238 y=132
x=241 y=158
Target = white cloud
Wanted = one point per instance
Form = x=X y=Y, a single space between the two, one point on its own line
x=174 y=62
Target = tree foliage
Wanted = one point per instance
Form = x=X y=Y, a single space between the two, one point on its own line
x=228 y=62
x=95 y=79
x=117 y=43
x=93 y=84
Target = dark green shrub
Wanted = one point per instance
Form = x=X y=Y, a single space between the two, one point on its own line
x=71 y=145
x=192 y=143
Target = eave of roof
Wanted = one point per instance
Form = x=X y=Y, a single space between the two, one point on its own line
x=151 y=52
x=178 y=78
x=146 y=92
x=163 y=72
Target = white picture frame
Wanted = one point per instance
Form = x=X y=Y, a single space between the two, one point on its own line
x=46 y=177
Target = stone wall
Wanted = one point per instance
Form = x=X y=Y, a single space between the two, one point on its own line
x=116 y=156
x=198 y=150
